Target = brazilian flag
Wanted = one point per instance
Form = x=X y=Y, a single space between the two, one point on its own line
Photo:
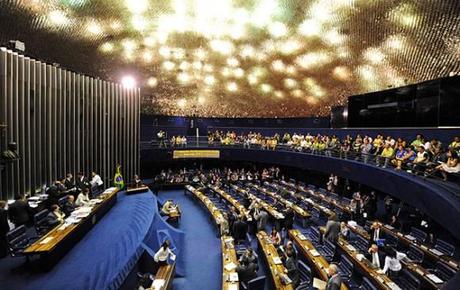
x=118 y=178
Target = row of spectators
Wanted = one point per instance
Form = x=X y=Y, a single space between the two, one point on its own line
x=419 y=156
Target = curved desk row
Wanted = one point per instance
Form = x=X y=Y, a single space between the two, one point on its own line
x=229 y=260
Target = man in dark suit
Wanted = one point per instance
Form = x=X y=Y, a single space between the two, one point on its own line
x=55 y=191
x=288 y=218
x=291 y=267
x=375 y=233
x=18 y=211
x=82 y=182
x=246 y=271
x=240 y=228
x=69 y=182
x=332 y=230
x=335 y=281
x=4 y=229
x=69 y=206
x=373 y=255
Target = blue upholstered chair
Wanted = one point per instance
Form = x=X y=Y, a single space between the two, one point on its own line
x=415 y=254
x=327 y=251
x=367 y=285
x=407 y=281
x=419 y=235
x=254 y=284
x=40 y=222
x=444 y=272
x=444 y=247
x=305 y=276
x=18 y=240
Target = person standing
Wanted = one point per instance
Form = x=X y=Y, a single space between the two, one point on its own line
x=332 y=230
x=18 y=211
x=163 y=254
x=4 y=229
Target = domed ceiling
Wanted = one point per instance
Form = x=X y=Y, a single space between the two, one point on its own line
x=258 y=58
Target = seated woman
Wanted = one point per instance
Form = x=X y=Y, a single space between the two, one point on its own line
x=83 y=198
x=399 y=157
x=163 y=254
x=451 y=165
x=275 y=237
x=55 y=216
x=393 y=263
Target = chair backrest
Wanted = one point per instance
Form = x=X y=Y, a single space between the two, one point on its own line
x=415 y=254
x=408 y=281
x=315 y=234
x=444 y=272
x=418 y=234
x=444 y=247
x=315 y=212
x=346 y=200
x=62 y=201
x=257 y=283
x=346 y=266
x=40 y=217
x=367 y=285
x=15 y=233
x=304 y=272
x=330 y=246
x=361 y=243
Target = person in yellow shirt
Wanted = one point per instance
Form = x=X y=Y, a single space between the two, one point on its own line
x=387 y=155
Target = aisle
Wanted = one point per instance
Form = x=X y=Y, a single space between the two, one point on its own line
x=203 y=254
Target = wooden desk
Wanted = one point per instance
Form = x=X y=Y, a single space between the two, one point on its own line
x=307 y=200
x=215 y=212
x=447 y=260
x=270 y=209
x=228 y=257
x=270 y=254
x=137 y=189
x=241 y=209
x=63 y=237
x=308 y=250
x=380 y=280
x=302 y=213
x=165 y=273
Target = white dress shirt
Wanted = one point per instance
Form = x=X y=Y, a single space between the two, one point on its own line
x=96 y=180
x=376 y=260
x=376 y=234
x=162 y=255
x=394 y=264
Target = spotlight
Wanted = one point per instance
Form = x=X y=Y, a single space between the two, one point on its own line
x=128 y=82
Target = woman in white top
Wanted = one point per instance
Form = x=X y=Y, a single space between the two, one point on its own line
x=393 y=263
x=83 y=198
x=162 y=255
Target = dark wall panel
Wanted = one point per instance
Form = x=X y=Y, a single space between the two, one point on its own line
x=63 y=122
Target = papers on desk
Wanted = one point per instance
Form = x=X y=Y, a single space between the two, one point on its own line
x=435 y=278
x=33 y=198
x=436 y=252
x=233 y=277
x=72 y=220
x=411 y=238
x=314 y=253
x=389 y=227
x=319 y=284
x=233 y=287
x=95 y=201
x=302 y=237
x=277 y=261
x=230 y=266
x=33 y=204
x=351 y=248
x=157 y=284
x=110 y=189
x=82 y=212
x=46 y=240
x=393 y=286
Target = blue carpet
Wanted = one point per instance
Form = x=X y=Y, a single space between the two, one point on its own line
x=105 y=255
x=203 y=256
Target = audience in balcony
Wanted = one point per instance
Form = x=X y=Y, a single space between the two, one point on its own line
x=452 y=165
x=384 y=151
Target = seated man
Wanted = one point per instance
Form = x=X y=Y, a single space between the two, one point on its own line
x=69 y=206
x=420 y=160
x=169 y=207
x=55 y=216
x=373 y=255
x=248 y=257
x=246 y=271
